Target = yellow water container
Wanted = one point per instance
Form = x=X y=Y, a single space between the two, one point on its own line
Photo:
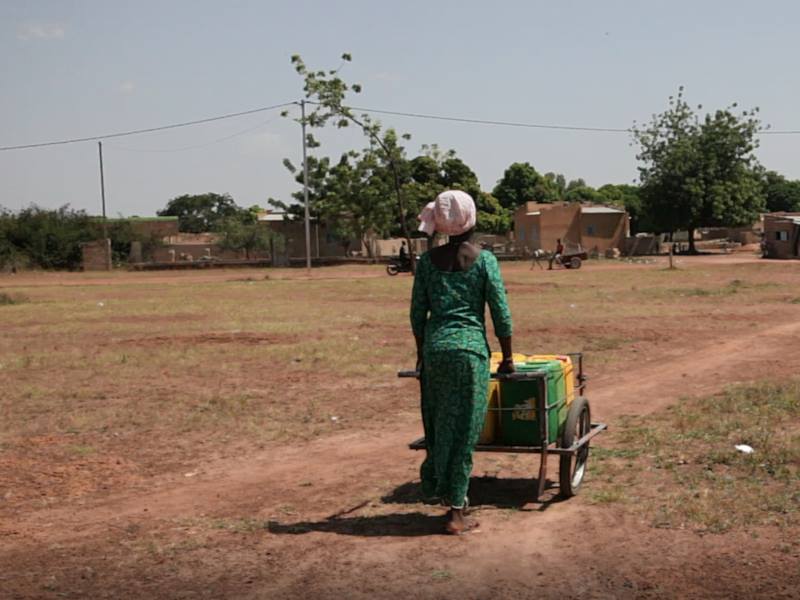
x=490 y=426
x=489 y=433
x=566 y=366
x=498 y=356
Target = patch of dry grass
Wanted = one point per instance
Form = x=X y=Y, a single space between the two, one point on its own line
x=681 y=467
x=157 y=366
x=7 y=299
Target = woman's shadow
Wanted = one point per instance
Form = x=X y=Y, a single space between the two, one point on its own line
x=511 y=494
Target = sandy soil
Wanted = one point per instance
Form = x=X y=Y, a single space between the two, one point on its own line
x=337 y=517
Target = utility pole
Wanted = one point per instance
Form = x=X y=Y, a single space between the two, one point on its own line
x=106 y=244
x=305 y=186
x=102 y=188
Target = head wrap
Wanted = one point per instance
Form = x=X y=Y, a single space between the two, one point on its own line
x=452 y=213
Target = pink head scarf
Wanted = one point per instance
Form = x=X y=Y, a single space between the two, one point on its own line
x=452 y=213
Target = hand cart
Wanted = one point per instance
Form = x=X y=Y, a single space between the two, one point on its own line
x=570 y=442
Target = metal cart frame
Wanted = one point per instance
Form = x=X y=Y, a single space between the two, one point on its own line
x=577 y=448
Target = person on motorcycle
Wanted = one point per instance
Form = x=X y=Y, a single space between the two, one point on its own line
x=403 y=252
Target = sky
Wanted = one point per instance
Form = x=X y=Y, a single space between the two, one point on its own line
x=77 y=68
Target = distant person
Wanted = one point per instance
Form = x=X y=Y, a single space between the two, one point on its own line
x=557 y=254
x=452 y=286
x=403 y=252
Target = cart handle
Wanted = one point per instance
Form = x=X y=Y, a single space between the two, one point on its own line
x=527 y=376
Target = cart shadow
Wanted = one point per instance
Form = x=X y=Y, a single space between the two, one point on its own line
x=414 y=524
x=485 y=491
x=513 y=493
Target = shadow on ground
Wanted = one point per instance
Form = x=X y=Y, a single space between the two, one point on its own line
x=494 y=492
x=399 y=524
x=486 y=491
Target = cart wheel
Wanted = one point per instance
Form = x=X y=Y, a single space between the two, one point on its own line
x=392 y=269
x=572 y=467
x=575 y=262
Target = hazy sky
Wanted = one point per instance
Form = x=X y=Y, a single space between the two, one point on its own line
x=82 y=68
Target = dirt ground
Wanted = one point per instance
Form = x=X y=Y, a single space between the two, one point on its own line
x=241 y=434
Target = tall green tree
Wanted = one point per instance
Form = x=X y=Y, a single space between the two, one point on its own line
x=699 y=172
x=327 y=92
x=198 y=213
x=492 y=217
x=358 y=198
x=782 y=195
x=517 y=186
x=436 y=171
x=318 y=169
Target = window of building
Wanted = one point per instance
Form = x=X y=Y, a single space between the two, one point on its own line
x=521 y=234
x=782 y=236
x=590 y=230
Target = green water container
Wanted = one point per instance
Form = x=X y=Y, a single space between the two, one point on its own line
x=519 y=423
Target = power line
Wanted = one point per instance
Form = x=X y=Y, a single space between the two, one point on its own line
x=778 y=132
x=413 y=115
x=486 y=121
x=148 y=130
x=200 y=145
x=526 y=125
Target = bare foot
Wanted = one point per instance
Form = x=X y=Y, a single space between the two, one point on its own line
x=457 y=523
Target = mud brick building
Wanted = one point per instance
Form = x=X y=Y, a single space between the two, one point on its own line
x=782 y=235
x=592 y=227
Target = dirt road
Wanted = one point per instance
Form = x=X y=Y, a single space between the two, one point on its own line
x=338 y=517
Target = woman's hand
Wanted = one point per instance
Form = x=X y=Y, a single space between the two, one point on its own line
x=420 y=344
x=506 y=366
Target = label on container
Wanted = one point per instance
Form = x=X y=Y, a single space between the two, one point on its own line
x=524 y=411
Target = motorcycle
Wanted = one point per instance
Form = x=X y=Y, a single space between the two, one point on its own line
x=399 y=265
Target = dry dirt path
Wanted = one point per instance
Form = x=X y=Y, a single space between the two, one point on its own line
x=343 y=521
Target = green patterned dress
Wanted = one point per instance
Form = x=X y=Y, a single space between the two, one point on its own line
x=447 y=309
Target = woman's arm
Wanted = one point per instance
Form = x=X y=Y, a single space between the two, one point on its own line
x=507 y=364
x=420 y=306
x=501 y=315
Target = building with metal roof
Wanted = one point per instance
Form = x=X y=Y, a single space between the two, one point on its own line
x=595 y=228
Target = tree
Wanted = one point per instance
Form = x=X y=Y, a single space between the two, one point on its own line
x=9 y=253
x=699 y=172
x=782 y=195
x=581 y=193
x=424 y=169
x=242 y=233
x=551 y=188
x=357 y=198
x=517 y=186
x=200 y=212
x=354 y=197
x=327 y=93
x=492 y=217
x=437 y=171
x=627 y=197
x=317 y=173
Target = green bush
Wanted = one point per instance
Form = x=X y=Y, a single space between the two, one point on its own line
x=50 y=239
